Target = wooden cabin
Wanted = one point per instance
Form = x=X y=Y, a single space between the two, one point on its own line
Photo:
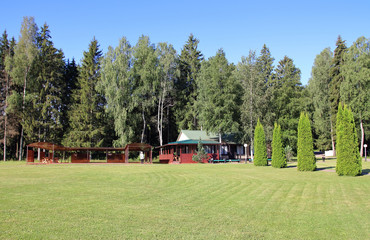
x=186 y=145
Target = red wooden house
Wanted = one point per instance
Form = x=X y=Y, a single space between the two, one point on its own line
x=186 y=145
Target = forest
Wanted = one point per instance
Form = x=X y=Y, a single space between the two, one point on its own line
x=147 y=92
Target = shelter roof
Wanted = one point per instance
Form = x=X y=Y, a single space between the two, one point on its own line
x=51 y=146
x=190 y=142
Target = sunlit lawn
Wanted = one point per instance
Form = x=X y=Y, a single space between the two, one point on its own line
x=193 y=201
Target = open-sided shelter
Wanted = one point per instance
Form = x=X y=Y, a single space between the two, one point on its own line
x=82 y=154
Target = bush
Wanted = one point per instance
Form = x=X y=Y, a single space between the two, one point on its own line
x=348 y=155
x=305 y=155
x=288 y=150
x=201 y=154
x=278 y=158
x=260 y=152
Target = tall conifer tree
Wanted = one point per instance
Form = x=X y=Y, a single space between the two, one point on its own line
x=186 y=86
x=348 y=155
x=87 y=116
x=260 y=151
x=334 y=87
x=278 y=156
x=305 y=155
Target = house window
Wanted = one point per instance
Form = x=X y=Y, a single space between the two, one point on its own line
x=209 y=148
x=224 y=150
x=240 y=150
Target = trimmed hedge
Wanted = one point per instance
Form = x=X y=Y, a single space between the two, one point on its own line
x=305 y=155
x=348 y=154
x=260 y=151
x=278 y=157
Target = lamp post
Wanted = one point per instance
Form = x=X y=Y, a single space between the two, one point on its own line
x=246 y=153
x=365 y=146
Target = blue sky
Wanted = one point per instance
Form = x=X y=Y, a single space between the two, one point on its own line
x=298 y=29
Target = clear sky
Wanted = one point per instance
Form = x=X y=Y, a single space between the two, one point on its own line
x=298 y=29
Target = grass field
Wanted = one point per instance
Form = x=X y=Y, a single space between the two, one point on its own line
x=193 y=201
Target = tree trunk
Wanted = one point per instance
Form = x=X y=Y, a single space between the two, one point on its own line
x=332 y=137
x=5 y=122
x=24 y=101
x=6 y=116
x=144 y=125
x=362 y=138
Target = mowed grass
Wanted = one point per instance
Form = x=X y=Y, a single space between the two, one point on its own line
x=193 y=201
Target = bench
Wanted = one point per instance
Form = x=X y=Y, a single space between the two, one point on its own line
x=223 y=160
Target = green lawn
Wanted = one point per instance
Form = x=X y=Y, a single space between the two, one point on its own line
x=193 y=201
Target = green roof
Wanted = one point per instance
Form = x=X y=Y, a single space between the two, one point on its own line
x=198 y=134
x=230 y=138
x=191 y=142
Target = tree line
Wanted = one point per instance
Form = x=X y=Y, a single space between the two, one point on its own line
x=148 y=92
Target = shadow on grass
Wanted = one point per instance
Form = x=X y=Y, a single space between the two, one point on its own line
x=365 y=172
x=292 y=166
x=324 y=168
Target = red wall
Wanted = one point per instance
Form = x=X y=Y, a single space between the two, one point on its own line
x=116 y=158
x=79 y=158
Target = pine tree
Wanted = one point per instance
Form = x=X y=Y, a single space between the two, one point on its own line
x=186 y=86
x=87 y=116
x=278 y=156
x=45 y=123
x=305 y=155
x=334 y=86
x=260 y=152
x=348 y=155
x=70 y=76
x=287 y=99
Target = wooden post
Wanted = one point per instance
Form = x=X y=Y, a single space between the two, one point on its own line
x=126 y=154
x=53 y=153
x=64 y=155
x=150 y=156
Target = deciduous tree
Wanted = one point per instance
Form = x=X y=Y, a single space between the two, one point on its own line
x=355 y=88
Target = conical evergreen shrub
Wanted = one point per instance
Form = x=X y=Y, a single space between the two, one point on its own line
x=278 y=156
x=348 y=154
x=305 y=154
x=260 y=151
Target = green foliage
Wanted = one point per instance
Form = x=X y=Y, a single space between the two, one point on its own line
x=186 y=85
x=305 y=155
x=287 y=99
x=348 y=155
x=355 y=88
x=201 y=154
x=87 y=116
x=289 y=154
x=116 y=86
x=260 y=152
x=336 y=76
x=278 y=157
x=218 y=96
x=318 y=87
x=44 y=122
